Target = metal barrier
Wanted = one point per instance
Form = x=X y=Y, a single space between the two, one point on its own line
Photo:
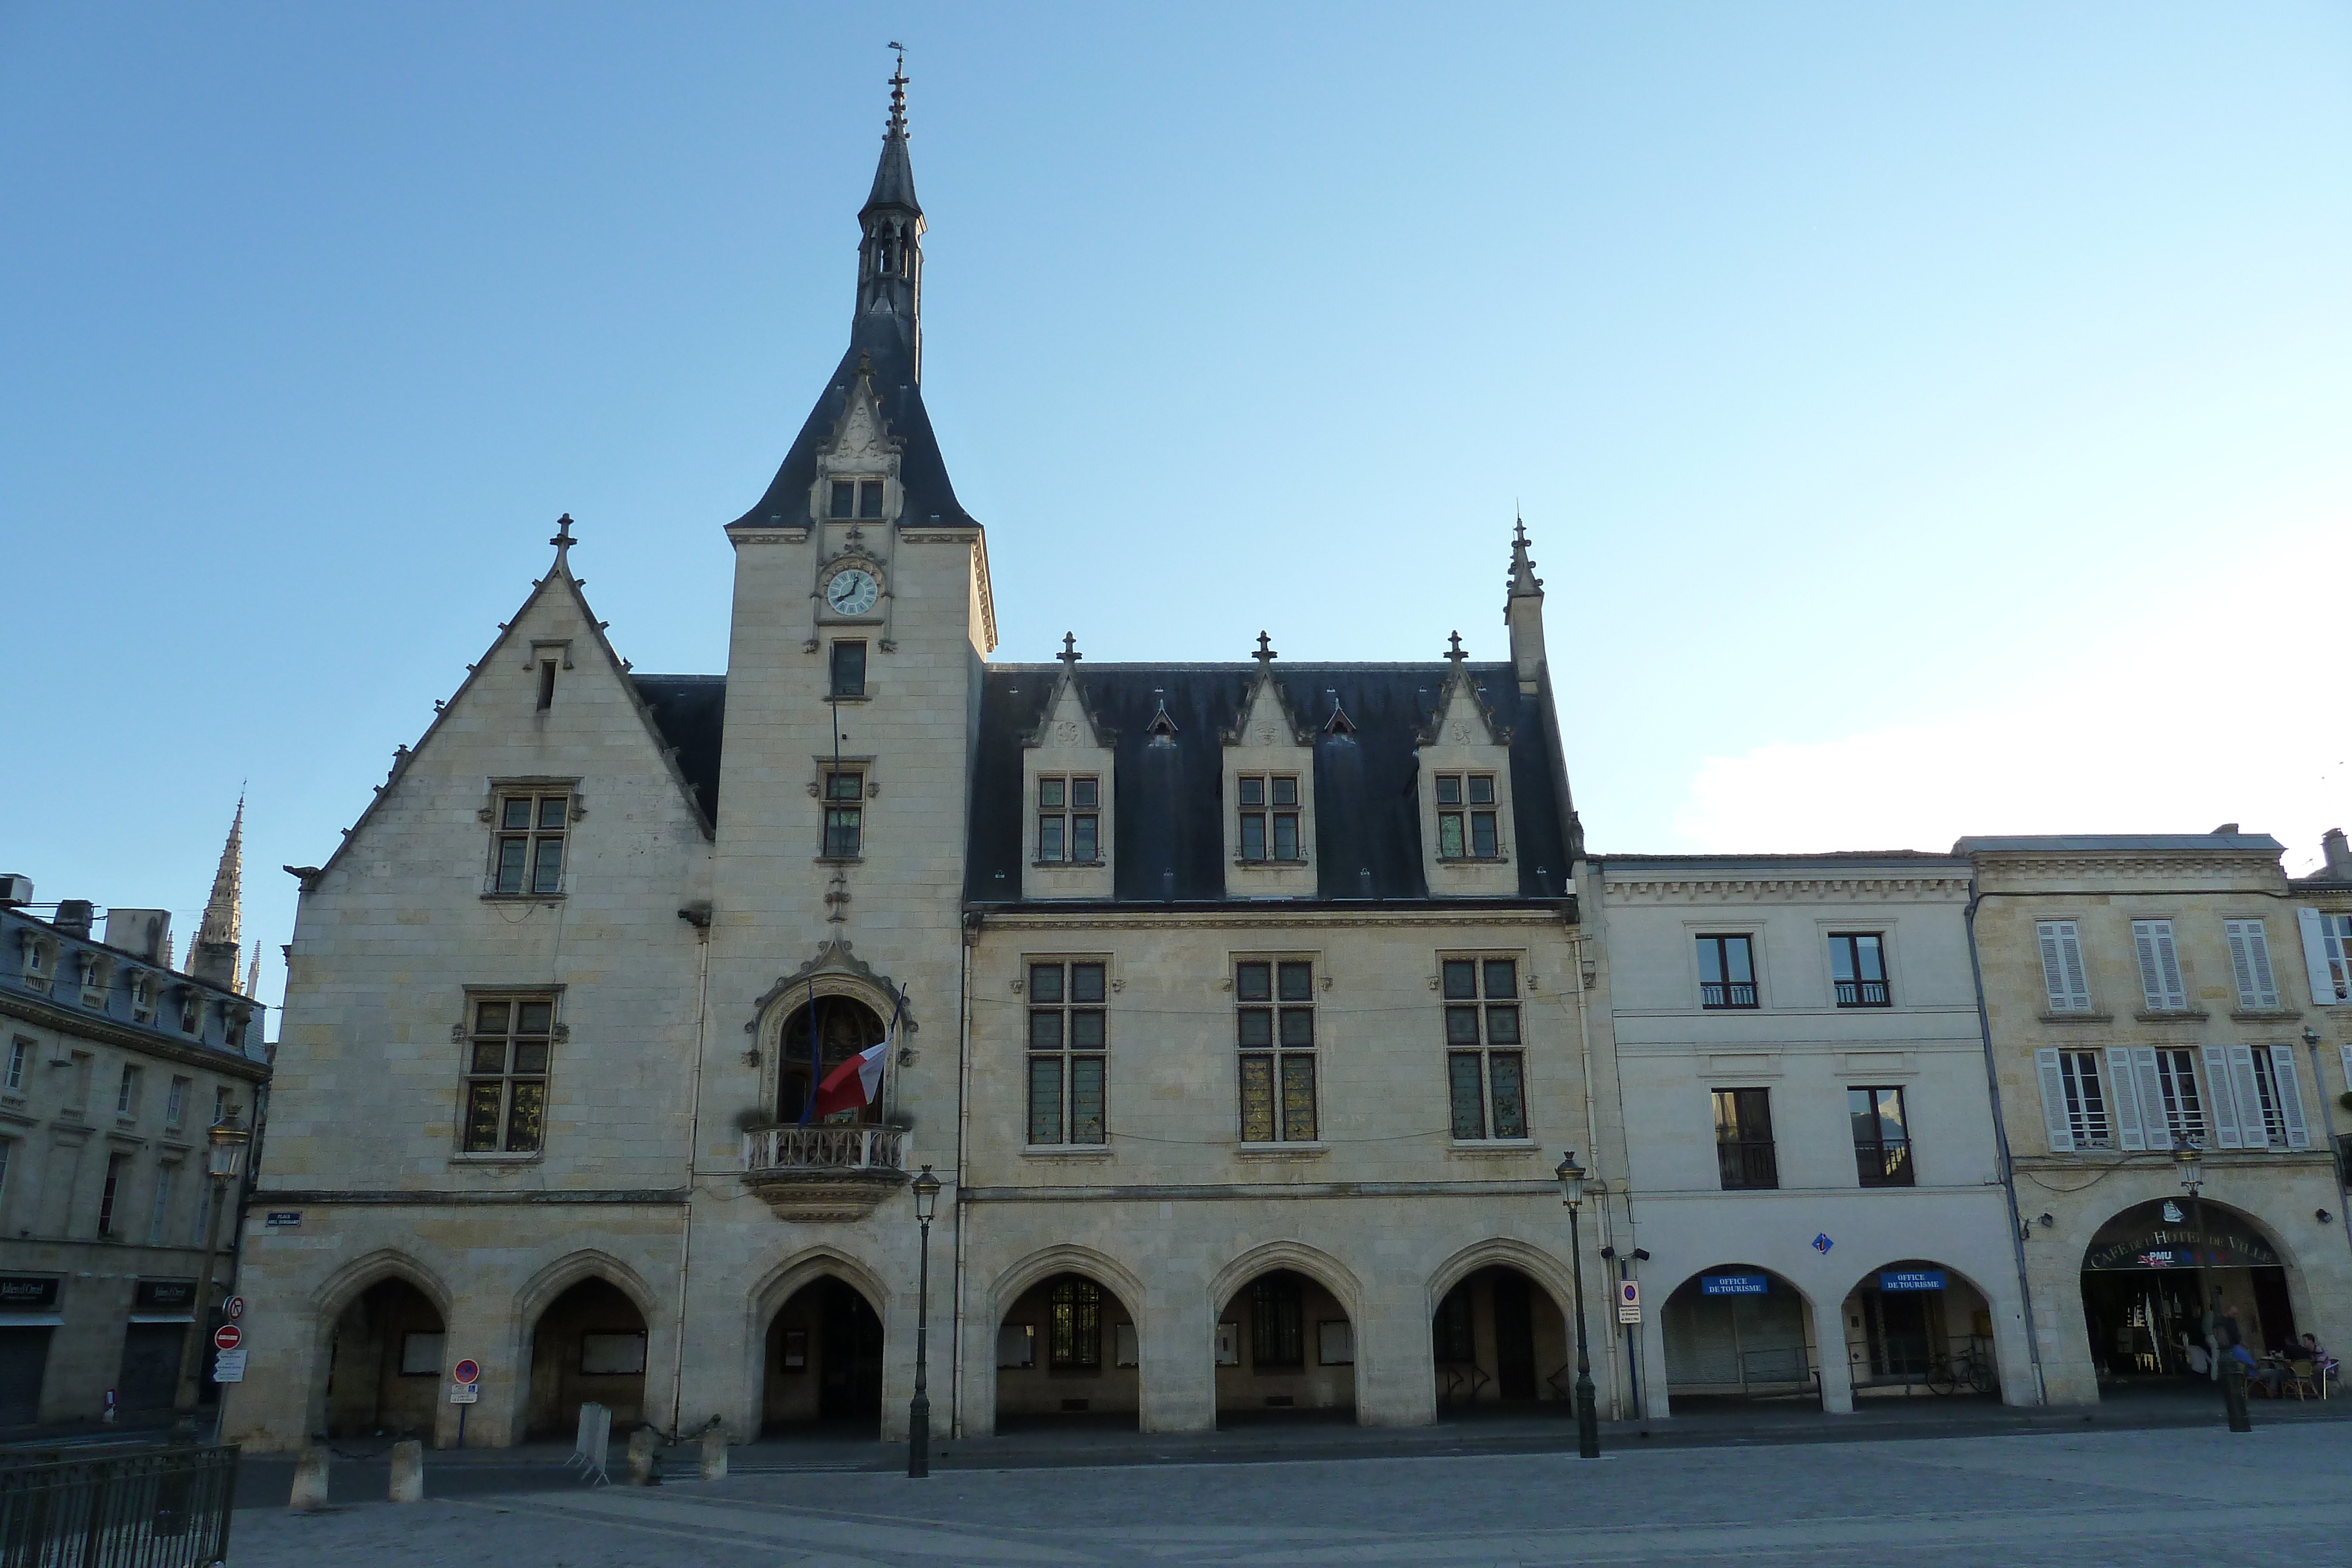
x=154 y=1508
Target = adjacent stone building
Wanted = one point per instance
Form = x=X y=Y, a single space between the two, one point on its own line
x=2141 y=990
x=1816 y=1176
x=113 y=1064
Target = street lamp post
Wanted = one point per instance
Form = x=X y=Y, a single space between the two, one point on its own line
x=2187 y=1160
x=918 y=1409
x=225 y=1160
x=1587 y=1425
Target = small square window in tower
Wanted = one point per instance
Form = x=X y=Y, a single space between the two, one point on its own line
x=845 y=814
x=526 y=850
x=848 y=670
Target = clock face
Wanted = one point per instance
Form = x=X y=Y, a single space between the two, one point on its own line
x=852 y=592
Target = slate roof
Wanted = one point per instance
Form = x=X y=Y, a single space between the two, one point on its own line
x=2112 y=843
x=691 y=711
x=1167 y=790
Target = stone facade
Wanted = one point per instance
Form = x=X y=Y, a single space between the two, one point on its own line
x=1723 y=979
x=2129 y=984
x=112 y=1065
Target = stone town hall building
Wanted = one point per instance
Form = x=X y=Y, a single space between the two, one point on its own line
x=1239 y=1003
x=1244 y=1008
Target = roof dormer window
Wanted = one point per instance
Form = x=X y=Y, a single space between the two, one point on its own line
x=1465 y=816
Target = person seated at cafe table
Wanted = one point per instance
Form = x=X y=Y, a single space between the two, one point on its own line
x=2310 y=1350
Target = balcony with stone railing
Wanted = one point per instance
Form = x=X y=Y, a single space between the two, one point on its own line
x=820 y=1173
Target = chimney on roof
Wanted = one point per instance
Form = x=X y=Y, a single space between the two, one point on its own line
x=2339 y=853
x=74 y=916
x=15 y=890
x=146 y=932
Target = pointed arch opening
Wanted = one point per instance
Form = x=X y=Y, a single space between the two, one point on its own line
x=1286 y=1351
x=384 y=1363
x=1067 y=1353
x=821 y=1363
x=1501 y=1347
x=588 y=1345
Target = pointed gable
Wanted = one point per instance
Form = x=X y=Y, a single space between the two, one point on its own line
x=501 y=721
x=1069 y=781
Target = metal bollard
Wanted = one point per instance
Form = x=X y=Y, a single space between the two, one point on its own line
x=310 y=1481
x=644 y=1467
x=408 y=1472
x=714 y=1454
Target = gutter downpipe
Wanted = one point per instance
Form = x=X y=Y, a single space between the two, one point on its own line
x=2000 y=1143
x=1575 y=943
x=2328 y=1121
x=966 y=939
x=693 y=1147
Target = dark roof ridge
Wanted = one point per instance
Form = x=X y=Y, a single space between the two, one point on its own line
x=1248 y=667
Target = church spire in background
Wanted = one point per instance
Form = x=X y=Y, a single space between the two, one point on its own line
x=253 y=974
x=220 y=938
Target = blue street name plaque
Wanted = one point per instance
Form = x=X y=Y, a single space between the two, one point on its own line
x=1911 y=1280
x=1731 y=1284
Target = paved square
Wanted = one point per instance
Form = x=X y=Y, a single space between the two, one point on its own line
x=2117 y=1497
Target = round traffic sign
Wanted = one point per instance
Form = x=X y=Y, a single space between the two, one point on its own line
x=233 y=1308
x=467 y=1371
x=228 y=1336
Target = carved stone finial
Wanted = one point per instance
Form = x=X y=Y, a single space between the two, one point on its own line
x=898 y=92
x=1453 y=653
x=1525 y=583
x=562 y=540
x=1069 y=656
x=1265 y=655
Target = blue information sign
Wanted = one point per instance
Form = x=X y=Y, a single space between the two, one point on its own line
x=1731 y=1284
x=1911 y=1280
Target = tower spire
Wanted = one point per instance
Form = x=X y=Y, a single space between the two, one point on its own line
x=890 y=251
x=220 y=935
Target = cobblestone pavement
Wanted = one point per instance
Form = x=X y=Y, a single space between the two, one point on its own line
x=2119 y=1498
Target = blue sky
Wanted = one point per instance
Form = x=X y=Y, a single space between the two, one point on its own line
x=1930 y=420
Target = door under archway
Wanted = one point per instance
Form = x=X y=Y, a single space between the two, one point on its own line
x=1284 y=1347
x=588 y=1346
x=823 y=1367
x=383 y=1373
x=1737 y=1332
x=1500 y=1342
x=2150 y=1274
x=1066 y=1350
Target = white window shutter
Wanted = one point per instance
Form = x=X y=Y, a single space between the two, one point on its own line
x=2054 y=1102
x=2156 y=1125
x=2249 y=965
x=2242 y=968
x=2219 y=1085
x=2062 y=967
x=2290 y=1087
x=2123 y=1097
x=2159 y=967
x=2252 y=1128
x=2320 y=945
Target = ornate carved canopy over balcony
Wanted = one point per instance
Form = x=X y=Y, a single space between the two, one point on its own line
x=820 y=1173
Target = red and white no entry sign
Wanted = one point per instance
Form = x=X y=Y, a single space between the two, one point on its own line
x=228 y=1336
x=467 y=1371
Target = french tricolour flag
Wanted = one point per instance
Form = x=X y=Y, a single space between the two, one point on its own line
x=855 y=1083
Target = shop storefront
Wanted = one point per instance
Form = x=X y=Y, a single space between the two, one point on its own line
x=2148 y=1273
